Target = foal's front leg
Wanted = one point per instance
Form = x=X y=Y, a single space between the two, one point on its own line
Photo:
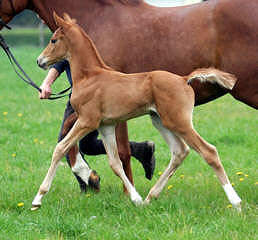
x=109 y=139
x=80 y=168
x=60 y=150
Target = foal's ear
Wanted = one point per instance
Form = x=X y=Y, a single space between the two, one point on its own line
x=60 y=22
x=67 y=18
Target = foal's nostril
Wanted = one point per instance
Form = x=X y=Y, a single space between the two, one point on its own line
x=39 y=62
x=42 y=62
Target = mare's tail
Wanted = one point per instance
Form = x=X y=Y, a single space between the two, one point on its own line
x=213 y=75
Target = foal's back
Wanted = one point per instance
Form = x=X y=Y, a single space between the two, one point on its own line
x=124 y=96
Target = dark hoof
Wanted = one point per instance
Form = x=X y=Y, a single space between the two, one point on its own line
x=94 y=181
x=83 y=187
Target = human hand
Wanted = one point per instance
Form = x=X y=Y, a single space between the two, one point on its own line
x=46 y=91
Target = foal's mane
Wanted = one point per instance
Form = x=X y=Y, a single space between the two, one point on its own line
x=92 y=45
x=125 y=2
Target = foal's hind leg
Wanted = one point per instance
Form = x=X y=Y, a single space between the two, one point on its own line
x=179 y=151
x=109 y=139
x=210 y=155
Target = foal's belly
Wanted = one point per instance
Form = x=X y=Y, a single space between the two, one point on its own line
x=110 y=120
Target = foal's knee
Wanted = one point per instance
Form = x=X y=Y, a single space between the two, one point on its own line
x=59 y=151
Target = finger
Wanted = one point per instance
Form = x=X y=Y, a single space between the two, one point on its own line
x=47 y=94
x=43 y=94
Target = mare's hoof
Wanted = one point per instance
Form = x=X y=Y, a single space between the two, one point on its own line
x=94 y=181
x=35 y=207
x=83 y=187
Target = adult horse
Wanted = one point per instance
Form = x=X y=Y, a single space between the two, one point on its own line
x=133 y=36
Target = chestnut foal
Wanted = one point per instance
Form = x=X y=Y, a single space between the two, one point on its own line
x=103 y=97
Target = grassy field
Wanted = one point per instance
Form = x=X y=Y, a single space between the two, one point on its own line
x=192 y=206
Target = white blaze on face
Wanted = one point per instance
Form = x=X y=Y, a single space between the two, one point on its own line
x=81 y=168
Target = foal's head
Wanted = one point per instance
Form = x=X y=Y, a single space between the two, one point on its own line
x=58 y=47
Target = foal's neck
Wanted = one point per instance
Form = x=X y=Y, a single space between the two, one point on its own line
x=84 y=58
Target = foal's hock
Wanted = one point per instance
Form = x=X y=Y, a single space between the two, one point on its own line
x=103 y=97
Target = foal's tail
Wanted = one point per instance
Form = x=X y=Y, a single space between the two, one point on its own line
x=213 y=75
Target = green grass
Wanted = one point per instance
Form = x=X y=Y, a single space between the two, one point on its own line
x=194 y=208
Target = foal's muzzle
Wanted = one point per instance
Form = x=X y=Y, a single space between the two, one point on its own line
x=41 y=61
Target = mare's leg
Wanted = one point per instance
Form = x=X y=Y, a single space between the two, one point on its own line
x=109 y=139
x=60 y=150
x=179 y=151
x=124 y=150
x=210 y=155
x=142 y=151
x=80 y=168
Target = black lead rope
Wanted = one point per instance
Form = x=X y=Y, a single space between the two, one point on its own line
x=25 y=77
x=3 y=24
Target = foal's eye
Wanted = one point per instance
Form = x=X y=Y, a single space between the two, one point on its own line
x=53 y=41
